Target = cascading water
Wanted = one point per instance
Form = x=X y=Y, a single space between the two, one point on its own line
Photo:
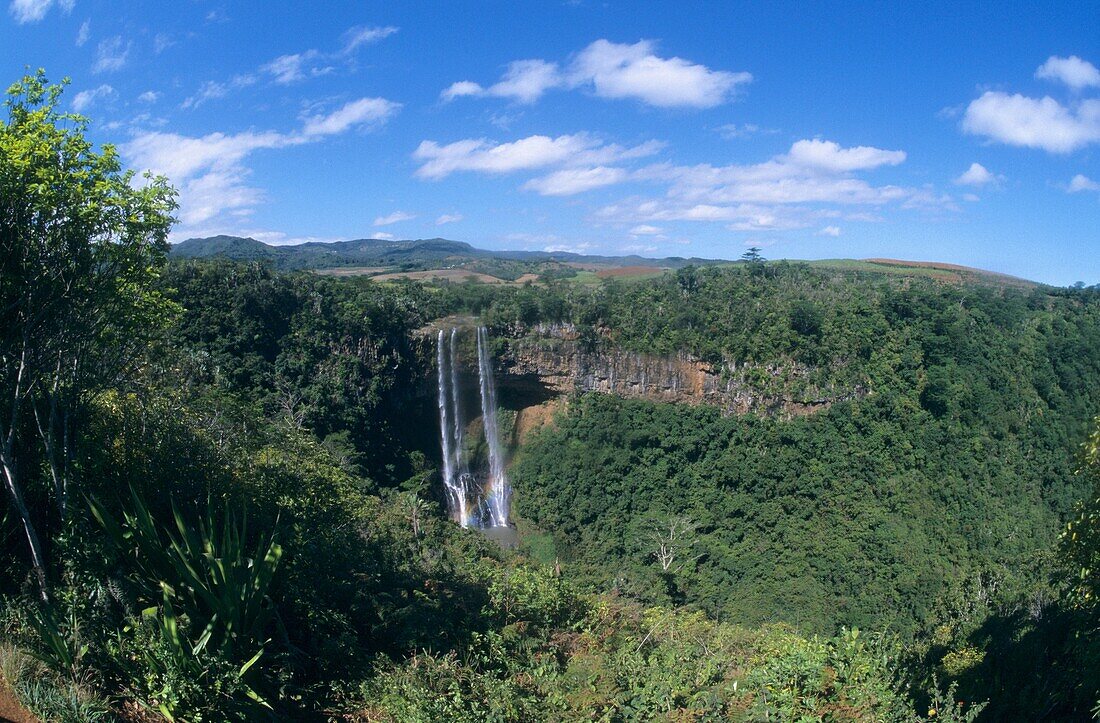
x=497 y=487
x=453 y=482
x=470 y=503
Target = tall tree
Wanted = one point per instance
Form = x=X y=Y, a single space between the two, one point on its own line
x=81 y=245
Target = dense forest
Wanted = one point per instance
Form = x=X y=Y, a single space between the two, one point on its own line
x=222 y=496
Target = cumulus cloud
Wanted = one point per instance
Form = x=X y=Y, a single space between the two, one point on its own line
x=149 y=96
x=448 y=218
x=85 y=98
x=382 y=236
x=1043 y=123
x=395 y=217
x=1080 y=183
x=617 y=70
x=362 y=112
x=1073 y=71
x=570 y=181
x=484 y=156
x=582 y=158
x=814 y=181
x=111 y=55
x=613 y=70
x=829 y=156
x=31 y=11
x=359 y=36
x=210 y=170
x=460 y=89
x=525 y=81
x=976 y=175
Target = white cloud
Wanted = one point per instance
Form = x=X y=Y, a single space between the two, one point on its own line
x=484 y=156
x=525 y=81
x=613 y=70
x=211 y=90
x=31 y=11
x=291 y=68
x=617 y=70
x=448 y=218
x=829 y=156
x=581 y=152
x=976 y=175
x=570 y=181
x=461 y=88
x=84 y=33
x=162 y=42
x=569 y=248
x=731 y=131
x=382 y=236
x=149 y=96
x=85 y=98
x=111 y=55
x=646 y=230
x=1080 y=183
x=1033 y=122
x=1073 y=71
x=359 y=36
x=814 y=182
x=833 y=231
x=209 y=170
x=365 y=111
x=395 y=217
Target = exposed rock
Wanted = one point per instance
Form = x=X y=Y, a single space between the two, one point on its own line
x=555 y=358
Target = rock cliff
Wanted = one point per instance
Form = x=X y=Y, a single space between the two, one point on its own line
x=555 y=359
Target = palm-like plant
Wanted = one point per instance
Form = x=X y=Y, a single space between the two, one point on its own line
x=209 y=591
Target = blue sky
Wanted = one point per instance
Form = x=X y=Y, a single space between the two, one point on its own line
x=958 y=132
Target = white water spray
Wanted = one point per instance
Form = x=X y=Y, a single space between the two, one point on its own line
x=486 y=505
x=452 y=482
x=498 y=488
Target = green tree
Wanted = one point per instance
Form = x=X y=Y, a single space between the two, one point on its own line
x=81 y=246
x=1080 y=543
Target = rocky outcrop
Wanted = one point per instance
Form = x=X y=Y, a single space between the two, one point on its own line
x=556 y=359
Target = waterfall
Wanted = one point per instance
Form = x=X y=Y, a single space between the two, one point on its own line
x=497 y=487
x=470 y=503
x=448 y=435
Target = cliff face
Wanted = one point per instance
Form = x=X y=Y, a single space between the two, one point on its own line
x=554 y=358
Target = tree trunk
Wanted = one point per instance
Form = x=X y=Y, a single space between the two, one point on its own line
x=38 y=559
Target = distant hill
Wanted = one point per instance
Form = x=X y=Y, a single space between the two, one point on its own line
x=408 y=254
x=375 y=256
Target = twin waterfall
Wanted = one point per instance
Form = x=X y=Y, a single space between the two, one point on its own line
x=472 y=501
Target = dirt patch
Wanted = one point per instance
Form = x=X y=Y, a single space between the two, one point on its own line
x=448 y=274
x=352 y=271
x=527 y=277
x=10 y=710
x=628 y=271
x=531 y=419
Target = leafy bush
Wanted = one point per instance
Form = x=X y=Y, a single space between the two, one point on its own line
x=214 y=608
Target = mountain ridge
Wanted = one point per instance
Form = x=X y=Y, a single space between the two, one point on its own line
x=422 y=254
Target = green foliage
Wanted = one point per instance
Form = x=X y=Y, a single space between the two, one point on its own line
x=81 y=247
x=214 y=606
x=1080 y=541
x=534 y=596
